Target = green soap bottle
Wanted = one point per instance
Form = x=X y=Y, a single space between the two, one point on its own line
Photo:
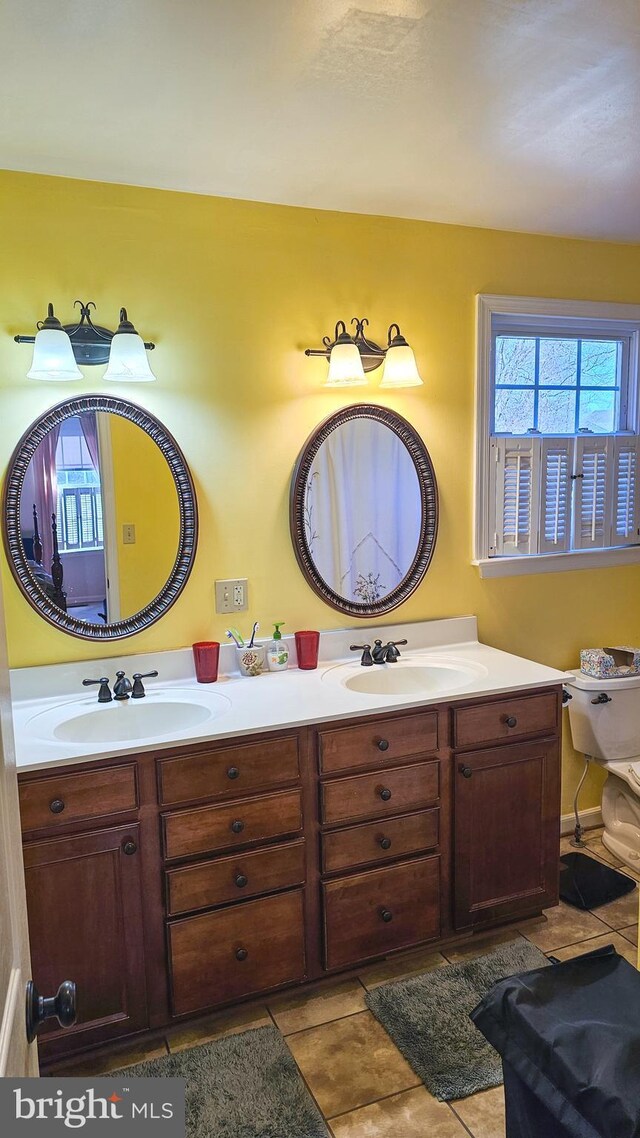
x=277 y=651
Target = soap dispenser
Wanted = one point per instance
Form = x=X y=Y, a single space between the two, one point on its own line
x=277 y=652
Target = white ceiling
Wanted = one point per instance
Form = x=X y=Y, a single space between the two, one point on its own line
x=514 y=114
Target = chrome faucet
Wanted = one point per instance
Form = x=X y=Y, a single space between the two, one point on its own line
x=387 y=653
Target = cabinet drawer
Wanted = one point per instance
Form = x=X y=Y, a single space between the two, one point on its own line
x=231 y=770
x=61 y=799
x=387 y=739
x=233 y=952
x=239 y=823
x=505 y=719
x=375 y=912
x=380 y=841
x=234 y=878
x=381 y=793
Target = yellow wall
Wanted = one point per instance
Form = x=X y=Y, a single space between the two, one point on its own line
x=232 y=292
x=145 y=496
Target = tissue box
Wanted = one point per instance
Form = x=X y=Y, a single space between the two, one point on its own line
x=608 y=663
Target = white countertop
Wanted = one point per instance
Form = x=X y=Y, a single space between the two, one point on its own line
x=263 y=703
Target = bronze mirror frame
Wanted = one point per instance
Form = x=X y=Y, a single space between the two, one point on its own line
x=187 y=542
x=428 y=505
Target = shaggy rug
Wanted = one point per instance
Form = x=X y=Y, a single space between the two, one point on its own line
x=427 y=1017
x=242 y=1086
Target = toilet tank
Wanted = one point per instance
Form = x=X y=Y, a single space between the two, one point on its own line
x=606 y=731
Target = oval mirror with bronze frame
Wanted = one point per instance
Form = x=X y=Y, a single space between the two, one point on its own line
x=364 y=510
x=100 y=520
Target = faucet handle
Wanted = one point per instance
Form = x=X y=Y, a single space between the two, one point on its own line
x=138 y=687
x=104 y=695
x=397 y=642
x=367 y=659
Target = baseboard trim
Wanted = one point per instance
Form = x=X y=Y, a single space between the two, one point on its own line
x=589 y=819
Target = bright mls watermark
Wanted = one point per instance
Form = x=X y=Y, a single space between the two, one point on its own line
x=132 y=1108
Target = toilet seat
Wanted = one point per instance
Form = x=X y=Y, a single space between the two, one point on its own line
x=627 y=770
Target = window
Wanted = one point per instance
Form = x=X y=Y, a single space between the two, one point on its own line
x=79 y=499
x=558 y=451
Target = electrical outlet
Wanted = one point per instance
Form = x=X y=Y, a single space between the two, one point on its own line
x=129 y=534
x=232 y=596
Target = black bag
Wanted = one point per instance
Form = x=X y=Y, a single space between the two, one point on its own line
x=569 y=1037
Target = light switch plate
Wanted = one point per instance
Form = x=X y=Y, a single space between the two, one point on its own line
x=129 y=534
x=232 y=596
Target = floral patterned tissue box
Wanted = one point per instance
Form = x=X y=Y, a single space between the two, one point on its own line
x=610 y=662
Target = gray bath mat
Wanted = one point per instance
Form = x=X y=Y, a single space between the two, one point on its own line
x=243 y=1086
x=427 y=1017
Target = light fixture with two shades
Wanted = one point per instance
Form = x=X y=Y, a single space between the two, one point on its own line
x=58 y=349
x=351 y=357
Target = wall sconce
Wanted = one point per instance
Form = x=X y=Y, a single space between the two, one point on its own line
x=58 y=349
x=350 y=357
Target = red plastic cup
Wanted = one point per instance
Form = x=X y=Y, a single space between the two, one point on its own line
x=307 y=644
x=206 y=654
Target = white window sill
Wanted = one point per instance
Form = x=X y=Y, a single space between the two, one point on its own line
x=557 y=562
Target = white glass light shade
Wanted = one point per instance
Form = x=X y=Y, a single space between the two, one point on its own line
x=128 y=362
x=345 y=367
x=53 y=357
x=400 y=369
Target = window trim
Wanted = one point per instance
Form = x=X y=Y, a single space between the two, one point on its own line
x=528 y=311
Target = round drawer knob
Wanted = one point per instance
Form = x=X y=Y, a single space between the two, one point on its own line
x=241 y=954
x=383 y=744
x=385 y=843
x=466 y=772
x=510 y=720
x=386 y=915
x=241 y=880
x=129 y=848
x=57 y=806
x=233 y=772
x=385 y=794
x=237 y=827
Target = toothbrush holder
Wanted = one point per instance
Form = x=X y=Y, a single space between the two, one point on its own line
x=251 y=660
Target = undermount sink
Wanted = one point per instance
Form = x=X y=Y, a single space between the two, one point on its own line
x=427 y=678
x=158 y=715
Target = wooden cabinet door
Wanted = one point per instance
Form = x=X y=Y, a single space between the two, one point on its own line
x=85 y=923
x=507 y=828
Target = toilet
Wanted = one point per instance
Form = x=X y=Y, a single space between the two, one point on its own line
x=605 y=726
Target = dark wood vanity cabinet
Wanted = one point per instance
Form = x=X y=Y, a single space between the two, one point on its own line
x=507 y=808
x=84 y=901
x=506 y=832
x=172 y=883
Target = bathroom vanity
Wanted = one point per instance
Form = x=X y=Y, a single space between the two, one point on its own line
x=185 y=877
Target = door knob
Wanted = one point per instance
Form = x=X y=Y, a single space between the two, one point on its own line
x=62 y=1006
x=466 y=772
x=386 y=916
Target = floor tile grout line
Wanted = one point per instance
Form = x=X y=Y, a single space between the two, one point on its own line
x=572 y=943
x=459 y=1119
x=343 y=1113
x=315 y=1026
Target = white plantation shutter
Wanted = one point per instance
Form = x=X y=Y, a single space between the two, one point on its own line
x=515 y=496
x=593 y=485
x=556 y=465
x=625 y=529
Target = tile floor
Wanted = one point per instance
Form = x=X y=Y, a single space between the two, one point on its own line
x=361 y=1082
